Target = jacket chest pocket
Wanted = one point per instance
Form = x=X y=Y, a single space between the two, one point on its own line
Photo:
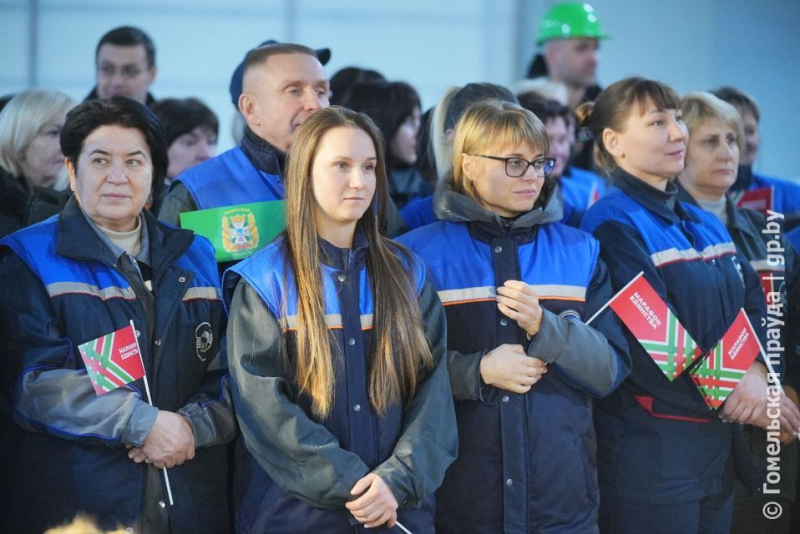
x=193 y=344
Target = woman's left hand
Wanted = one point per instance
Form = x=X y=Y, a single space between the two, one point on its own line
x=377 y=505
x=517 y=300
x=748 y=400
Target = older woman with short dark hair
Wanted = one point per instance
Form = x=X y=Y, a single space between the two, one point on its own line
x=99 y=266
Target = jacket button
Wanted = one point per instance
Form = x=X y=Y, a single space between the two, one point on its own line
x=357 y=408
x=138 y=334
x=129 y=530
x=498 y=249
x=162 y=504
x=182 y=279
x=509 y=482
x=351 y=341
x=342 y=277
x=503 y=322
x=505 y=398
x=157 y=342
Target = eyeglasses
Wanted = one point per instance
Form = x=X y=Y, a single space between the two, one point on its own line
x=517 y=167
x=127 y=71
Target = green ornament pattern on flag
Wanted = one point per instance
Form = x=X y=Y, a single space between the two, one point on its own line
x=714 y=381
x=655 y=327
x=676 y=352
x=113 y=360
x=724 y=367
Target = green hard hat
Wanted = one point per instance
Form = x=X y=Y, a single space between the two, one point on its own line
x=569 y=20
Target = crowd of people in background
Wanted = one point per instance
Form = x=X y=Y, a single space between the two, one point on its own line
x=426 y=346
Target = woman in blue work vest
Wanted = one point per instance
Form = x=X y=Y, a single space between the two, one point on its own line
x=337 y=344
x=517 y=286
x=666 y=462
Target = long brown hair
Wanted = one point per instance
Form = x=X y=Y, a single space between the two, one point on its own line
x=399 y=351
x=613 y=107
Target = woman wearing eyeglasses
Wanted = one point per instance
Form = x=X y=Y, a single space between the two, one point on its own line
x=517 y=286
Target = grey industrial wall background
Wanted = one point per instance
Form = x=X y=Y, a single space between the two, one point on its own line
x=690 y=44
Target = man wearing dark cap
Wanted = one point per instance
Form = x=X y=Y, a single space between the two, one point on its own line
x=282 y=85
x=125 y=61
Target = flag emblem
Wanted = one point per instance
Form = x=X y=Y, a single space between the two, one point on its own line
x=720 y=372
x=113 y=360
x=239 y=230
x=656 y=328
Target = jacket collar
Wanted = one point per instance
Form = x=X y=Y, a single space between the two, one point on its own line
x=736 y=220
x=78 y=240
x=455 y=207
x=261 y=154
x=345 y=259
x=662 y=203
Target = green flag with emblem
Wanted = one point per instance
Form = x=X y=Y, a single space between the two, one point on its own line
x=238 y=231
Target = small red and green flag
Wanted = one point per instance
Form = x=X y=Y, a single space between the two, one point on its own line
x=238 y=231
x=656 y=328
x=761 y=199
x=113 y=360
x=721 y=371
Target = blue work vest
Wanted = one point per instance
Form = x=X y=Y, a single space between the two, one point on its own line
x=525 y=461
x=228 y=180
x=349 y=309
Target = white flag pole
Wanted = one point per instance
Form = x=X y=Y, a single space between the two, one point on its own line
x=150 y=402
x=401 y=527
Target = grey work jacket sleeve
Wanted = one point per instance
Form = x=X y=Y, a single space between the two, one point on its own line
x=210 y=410
x=300 y=455
x=465 y=374
x=429 y=440
x=593 y=358
x=177 y=201
x=41 y=374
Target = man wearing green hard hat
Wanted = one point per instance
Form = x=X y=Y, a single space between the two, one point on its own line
x=569 y=34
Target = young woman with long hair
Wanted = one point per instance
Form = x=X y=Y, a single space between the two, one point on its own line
x=336 y=345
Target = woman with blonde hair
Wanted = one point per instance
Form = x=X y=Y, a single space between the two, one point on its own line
x=716 y=138
x=30 y=158
x=449 y=109
x=336 y=346
x=666 y=462
x=517 y=285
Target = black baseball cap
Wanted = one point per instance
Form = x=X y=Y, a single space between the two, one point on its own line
x=323 y=54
